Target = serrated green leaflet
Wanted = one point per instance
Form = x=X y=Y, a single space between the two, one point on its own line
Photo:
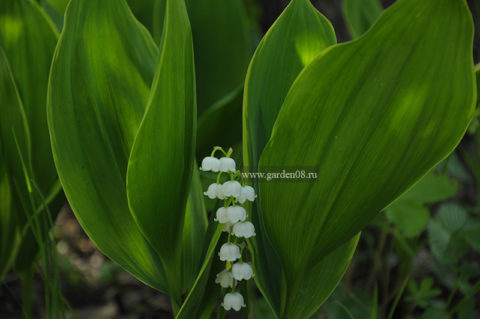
x=371 y=117
x=360 y=15
x=99 y=87
x=298 y=36
x=161 y=159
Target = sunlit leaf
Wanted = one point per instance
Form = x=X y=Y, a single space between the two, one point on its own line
x=371 y=117
x=161 y=160
x=298 y=36
x=99 y=88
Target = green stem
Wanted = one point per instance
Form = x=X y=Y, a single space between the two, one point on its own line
x=397 y=298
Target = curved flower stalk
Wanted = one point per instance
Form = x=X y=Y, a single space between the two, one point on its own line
x=232 y=217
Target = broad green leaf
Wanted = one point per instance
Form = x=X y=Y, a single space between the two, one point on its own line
x=409 y=213
x=200 y=297
x=452 y=216
x=371 y=117
x=444 y=233
x=99 y=87
x=360 y=15
x=194 y=232
x=297 y=37
x=320 y=281
x=471 y=233
x=161 y=160
x=28 y=37
x=294 y=40
x=410 y=218
x=430 y=189
x=222 y=48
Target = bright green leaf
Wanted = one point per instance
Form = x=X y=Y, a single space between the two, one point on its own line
x=411 y=218
x=320 y=281
x=430 y=189
x=99 y=87
x=297 y=37
x=371 y=117
x=161 y=160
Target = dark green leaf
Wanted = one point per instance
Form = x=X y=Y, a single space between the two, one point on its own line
x=29 y=38
x=360 y=15
x=411 y=218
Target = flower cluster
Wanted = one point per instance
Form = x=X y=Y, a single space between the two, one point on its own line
x=233 y=218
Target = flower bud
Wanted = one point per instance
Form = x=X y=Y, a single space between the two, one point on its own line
x=236 y=214
x=224 y=279
x=229 y=252
x=233 y=301
x=241 y=271
x=227 y=164
x=245 y=229
x=222 y=215
x=231 y=188
x=210 y=164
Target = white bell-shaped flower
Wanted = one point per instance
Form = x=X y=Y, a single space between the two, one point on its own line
x=231 y=188
x=210 y=163
x=242 y=271
x=229 y=252
x=233 y=300
x=246 y=193
x=222 y=215
x=227 y=164
x=245 y=230
x=224 y=279
x=236 y=214
x=212 y=190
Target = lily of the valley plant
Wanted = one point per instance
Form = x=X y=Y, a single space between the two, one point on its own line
x=370 y=117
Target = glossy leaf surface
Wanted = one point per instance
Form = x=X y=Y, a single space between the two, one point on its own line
x=99 y=86
x=371 y=117
x=161 y=161
x=297 y=37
